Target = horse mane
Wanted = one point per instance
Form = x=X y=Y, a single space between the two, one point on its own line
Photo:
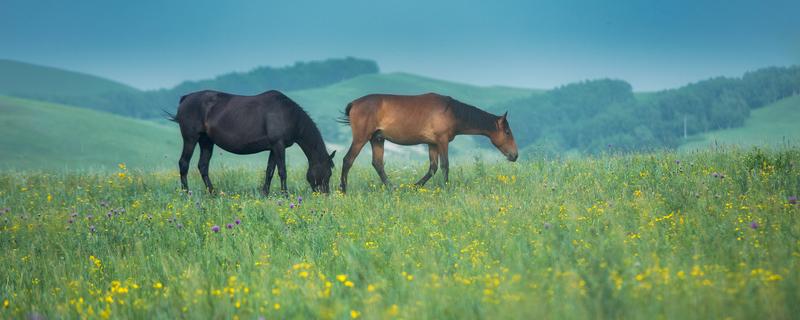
x=307 y=129
x=471 y=117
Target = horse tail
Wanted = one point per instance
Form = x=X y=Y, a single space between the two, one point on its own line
x=170 y=116
x=345 y=118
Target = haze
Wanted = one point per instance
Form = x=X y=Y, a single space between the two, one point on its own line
x=651 y=44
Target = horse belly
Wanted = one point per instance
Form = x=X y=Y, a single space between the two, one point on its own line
x=239 y=143
x=400 y=134
x=245 y=148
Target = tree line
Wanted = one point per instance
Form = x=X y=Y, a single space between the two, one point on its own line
x=591 y=116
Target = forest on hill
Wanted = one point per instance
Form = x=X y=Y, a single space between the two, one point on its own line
x=591 y=116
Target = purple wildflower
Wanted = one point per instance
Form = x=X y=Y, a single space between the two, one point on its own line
x=74 y=214
x=70 y=221
x=92 y=229
x=547 y=225
x=89 y=217
x=677 y=161
x=299 y=199
x=110 y=214
x=715 y=175
x=237 y=221
x=180 y=225
x=753 y=225
x=215 y=229
x=229 y=226
x=793 y=199
x=291 y=206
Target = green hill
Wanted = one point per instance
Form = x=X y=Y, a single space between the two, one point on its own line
x=771 y=125
x=44 y=135
x=25 y=80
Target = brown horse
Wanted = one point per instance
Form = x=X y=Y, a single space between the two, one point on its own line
x=430 y=118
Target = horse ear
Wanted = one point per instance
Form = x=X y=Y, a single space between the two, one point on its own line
x=332 y=155
x=502 y=121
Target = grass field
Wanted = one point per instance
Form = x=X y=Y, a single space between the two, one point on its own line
x=772 y=125
x=708 y=235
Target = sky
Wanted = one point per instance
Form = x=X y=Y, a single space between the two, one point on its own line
x=536 y=44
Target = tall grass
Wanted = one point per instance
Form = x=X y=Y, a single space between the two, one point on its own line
x=662 y=235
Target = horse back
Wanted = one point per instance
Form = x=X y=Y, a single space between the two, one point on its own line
x=404 y=119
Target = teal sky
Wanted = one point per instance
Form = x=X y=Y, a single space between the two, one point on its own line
x=652 y=44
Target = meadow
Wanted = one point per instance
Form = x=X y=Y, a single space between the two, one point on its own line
x=711 y=234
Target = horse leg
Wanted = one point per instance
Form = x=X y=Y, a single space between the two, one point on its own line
x=433 y=153
x=206 y=150
x=348 y=160
x=186 y=156
x=377 y=159
x=444 y=159
x=270 y=172
x=280 y=161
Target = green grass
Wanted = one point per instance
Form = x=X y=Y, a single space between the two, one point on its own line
x=25 y=79
x=620 y=237
x=775 y=124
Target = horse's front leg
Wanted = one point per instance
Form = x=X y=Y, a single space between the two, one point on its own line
x=433 y=153
x=280 y=159
x=270 y=173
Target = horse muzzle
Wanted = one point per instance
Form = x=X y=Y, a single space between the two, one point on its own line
x=512 y=156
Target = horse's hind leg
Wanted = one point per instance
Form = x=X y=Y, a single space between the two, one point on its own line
x=433 y=152
x=186 y=156
x=377 y=158
x=206 y=150
x=280 y=160
x=348 y=160
x=270 y=173
x=444 y=158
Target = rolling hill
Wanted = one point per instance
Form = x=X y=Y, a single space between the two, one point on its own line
x=37 y=134
x=24 y=80
x=772 y=125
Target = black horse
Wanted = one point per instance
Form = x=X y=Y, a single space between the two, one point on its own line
x=247 y=125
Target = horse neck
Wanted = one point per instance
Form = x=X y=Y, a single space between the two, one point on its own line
x=310 y=141
x=473 y=121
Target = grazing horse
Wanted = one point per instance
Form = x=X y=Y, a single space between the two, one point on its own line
x=430 y=118
x=247 y=125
